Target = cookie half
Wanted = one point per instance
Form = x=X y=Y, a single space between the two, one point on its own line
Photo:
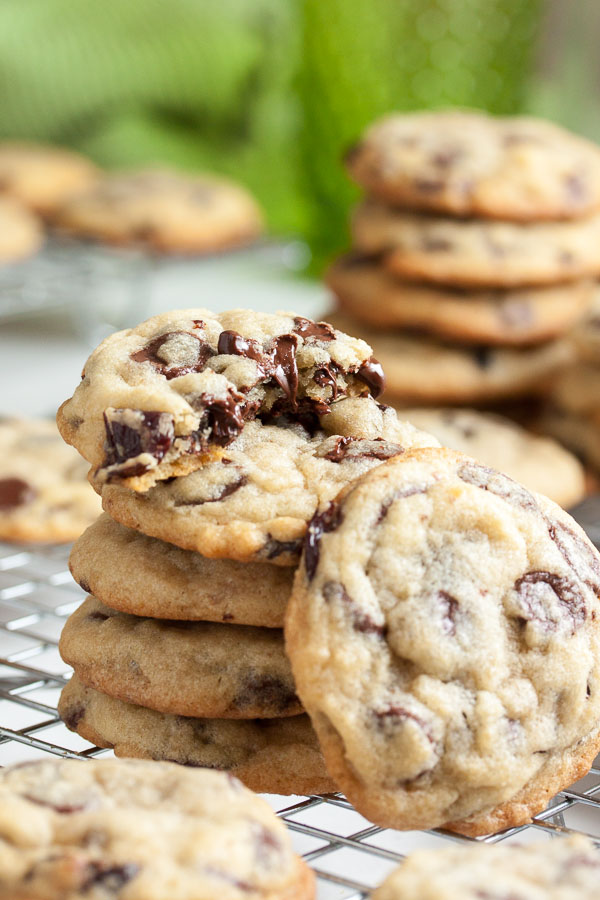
x=539 y=463
x=420 y=369
x=556 y=870
x=160 y=399
x=272 y=756
x=513 y=318
x=137 y=574
x=444 y=634
x=254 y=503
x=132 y=829
x=44 y=493
x=200 y=669
x=165 y=211
x=473 y=164
x=478 y=253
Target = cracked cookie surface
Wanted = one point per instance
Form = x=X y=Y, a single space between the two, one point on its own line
x=140 y=830
x=202 y=669
x=253 y=504
x=473 y=164
x=444 y=634
x=161 y=399
x=272 y=756
x=134 y=573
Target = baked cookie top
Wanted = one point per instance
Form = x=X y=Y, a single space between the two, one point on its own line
x=203 y=668
x=477 y=252
x=155 y=400
x=21 y=232
x=41 y=176
x=444 y=634
x=134 y=573
x=165 y=211
x=467 y=163
x=44 y=493
x=539 y=463
x=516 y=317
x=555 y=870
x=139 y=830
x=253 y=504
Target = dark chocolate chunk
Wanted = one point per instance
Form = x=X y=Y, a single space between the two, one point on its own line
x=400 y=494
x=15 y=492
x=233 y=344
x=285 y=370
x=339 y=450
x=199 y=354
x=536 y=590
x=371 y=372
x=109 y=877
x=74 y=716
x=325 y=377
x=497 y=483
x=483 y=356
x=222 y=420
x=320 y=524
x=580 y=556
x=274 y=548
x=395 y=715
x=334 y=591
x=355 y=448
x=267 y=691
x=131 y=432
x=226 y=491
x=306 y=328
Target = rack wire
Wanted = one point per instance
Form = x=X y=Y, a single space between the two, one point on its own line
x=349 y=854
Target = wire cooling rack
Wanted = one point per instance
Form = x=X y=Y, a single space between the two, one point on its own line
x=349 y=854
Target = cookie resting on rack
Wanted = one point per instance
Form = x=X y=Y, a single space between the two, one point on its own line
x=444 y=635
x=253 y=504
x=134 y=573
x=44 y=493
x=272 y=756
x=201 y=669
x=132 y=830
x=163 y=398
x=472 y=164
x=564 y=869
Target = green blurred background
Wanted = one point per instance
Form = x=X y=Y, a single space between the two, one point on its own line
x=273 y=91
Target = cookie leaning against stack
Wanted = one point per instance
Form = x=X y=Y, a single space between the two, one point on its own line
x=481 y=235
x=270 y=416
x=444 y=635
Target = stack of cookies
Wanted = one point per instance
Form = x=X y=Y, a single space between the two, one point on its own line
x=473 y=254
x=213 y=441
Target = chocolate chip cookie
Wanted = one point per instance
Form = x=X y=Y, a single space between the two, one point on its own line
x=252 y=505
x=473 y=164
x=137 y=574
x=44 y=493
x=539 y=463
x=165 y=211
x=200 y=669
x=444 y=634
x=555 y=870
x=478 y=253
x=159 y=399
x=42 y=177
x=21 y=232
x=518 y=317
x=422 y=370
x=272 y=756
x=132 y=829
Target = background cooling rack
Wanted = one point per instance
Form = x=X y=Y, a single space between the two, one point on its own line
x=349 y=854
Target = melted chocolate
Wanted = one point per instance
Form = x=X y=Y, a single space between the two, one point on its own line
x=265 y=690
x=15 y=492
x=221 y=421
x=325 y=377
x=108 y=877
x=74 y=716
x=233 y=344
x=285 y=372
x=338 y=452
x=371 y=372
x=274 y=548
x=306 y=328
x=320 y=524
x=152 y=433
x=572 y=601
x=334 y=591
x=150 y=353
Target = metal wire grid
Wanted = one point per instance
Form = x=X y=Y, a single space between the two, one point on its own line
x=349 y=854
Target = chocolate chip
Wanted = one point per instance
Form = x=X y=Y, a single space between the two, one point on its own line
x=231 y=343
x=83 y=585
x=325 y=377
x=222 y=419
x=226 y=491
x=132 y=432
x=354 y=448
x=227 y=617
x=371 y=372
x=580 y=556
x=483 y=357
x=97 y=615
x=109 y=877
x=538 y=590
x=274 y=548
x=266 y=691
x=182 y=353
x=395 y=715
x=285 y=372
x=15 y=492
x=73 y=716
x=400 y=494
x=497 y=483
x=320 y=524
x=449 y=606
x=306 y=328
x=334 y=591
